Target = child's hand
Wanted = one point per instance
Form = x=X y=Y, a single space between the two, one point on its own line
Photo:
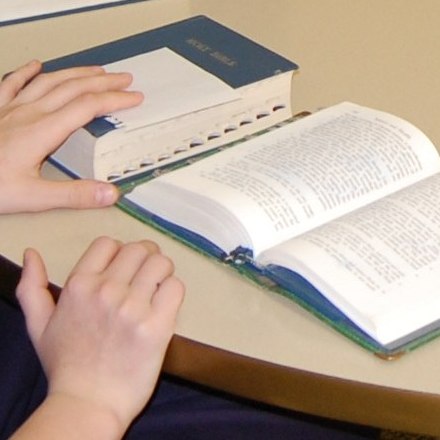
x=104 y=342
x=38 y=111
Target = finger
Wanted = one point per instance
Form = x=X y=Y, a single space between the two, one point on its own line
x=46 y=82
x=130 y=260
x=37 y=194
x=15 y=81
x=58 y=125
x=151 y=274
x=158 y=311
x=33 y=295
x=167 y=301
x=114 y=263
x=98 y=256
x=74 y=87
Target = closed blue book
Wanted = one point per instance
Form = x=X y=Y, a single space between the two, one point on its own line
x=256 y=81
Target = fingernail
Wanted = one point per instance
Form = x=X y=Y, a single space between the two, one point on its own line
x=106 y=194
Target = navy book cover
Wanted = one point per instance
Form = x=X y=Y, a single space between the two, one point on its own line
x=233 y=58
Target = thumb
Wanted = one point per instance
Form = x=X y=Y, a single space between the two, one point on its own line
x=78 y=194
x=33 y=295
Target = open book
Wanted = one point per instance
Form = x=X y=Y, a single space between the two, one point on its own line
x=341 y=209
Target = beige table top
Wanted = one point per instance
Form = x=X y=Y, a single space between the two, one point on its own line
x=382 y=54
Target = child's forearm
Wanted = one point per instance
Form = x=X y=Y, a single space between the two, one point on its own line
x=68 y=418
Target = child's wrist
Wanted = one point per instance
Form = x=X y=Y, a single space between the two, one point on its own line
x=88 y=416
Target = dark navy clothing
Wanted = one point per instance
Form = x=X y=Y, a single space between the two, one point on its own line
x=178 y=410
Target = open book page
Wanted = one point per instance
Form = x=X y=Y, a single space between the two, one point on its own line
x=380 y=264
x=172 y=85
x=295 y=178
x=17 y=9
